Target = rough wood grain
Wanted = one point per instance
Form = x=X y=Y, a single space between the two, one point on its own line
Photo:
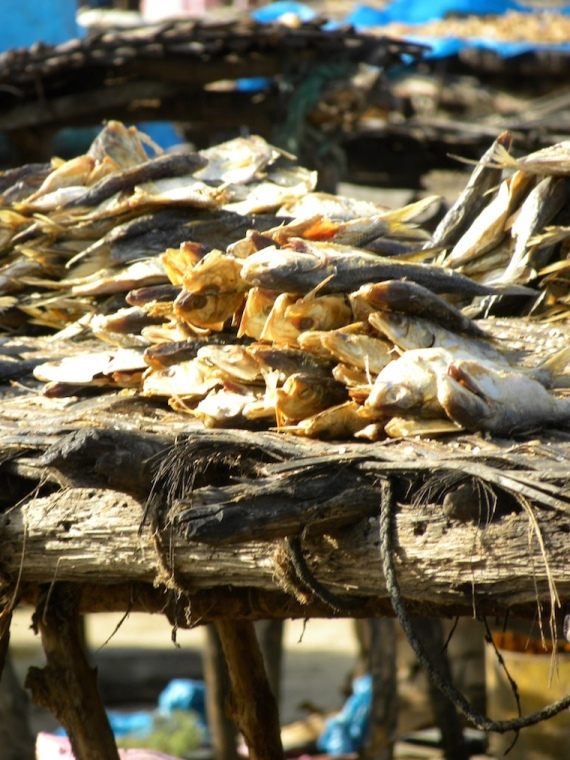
x=87 y=535
x=67 y=685
x=252 y=703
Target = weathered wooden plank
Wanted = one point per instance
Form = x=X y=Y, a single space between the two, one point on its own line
x=91 y=536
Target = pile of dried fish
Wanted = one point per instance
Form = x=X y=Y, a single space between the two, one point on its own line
x=221 y=282
x=542 y=27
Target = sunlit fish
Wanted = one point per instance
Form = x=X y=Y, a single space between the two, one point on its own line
x=256 y=310
x=238 y=160
x=409 y=332
x=166 y=165
x=304 y=395
x=189 y=380
x=474 y=198
x=359 y=350
x=303 y=266
x=498 y=401
x=213 y=291
x=410 y=298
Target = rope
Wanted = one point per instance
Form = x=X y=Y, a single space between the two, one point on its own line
x=305 y=574
x=479 y=720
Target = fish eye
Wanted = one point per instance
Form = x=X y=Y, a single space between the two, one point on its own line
x=306 y=323
x=398 y=396
x=305 y=392
x=196 y=301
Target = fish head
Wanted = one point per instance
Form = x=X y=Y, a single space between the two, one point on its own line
x=215 y=270
x=177 y=262
x=394 y=396
x=462 y=397
x=257 y=308
x=377 y=293
x=304 y=394
x=209 y=308
x=322 y=313
x=404 y=331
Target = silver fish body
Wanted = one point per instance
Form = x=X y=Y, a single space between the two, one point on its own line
x=498 y=401
x=302 y=267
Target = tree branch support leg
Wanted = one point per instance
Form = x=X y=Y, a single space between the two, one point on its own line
x=252 y=704
x=67 y=685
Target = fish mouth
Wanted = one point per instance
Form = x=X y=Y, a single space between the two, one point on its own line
x=465 y=380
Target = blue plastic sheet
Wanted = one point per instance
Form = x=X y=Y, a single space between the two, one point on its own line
x=346 y=731
x=179 y=694
x=49 y=21
x=416 y=12
x=183 y=694
x=273 y=11
x=420 y=11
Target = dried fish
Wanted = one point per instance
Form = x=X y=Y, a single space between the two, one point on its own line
x=222 y=407
x=237 y=161
x=288 y=361
x=234 y=361
x=340 y=421
x=499 y=401
x=256 y=310
x=542 y=204
x=408 y=332
x=303 y=395
x=269 y=194
x=358 y=350
x=212 y=291
x=74 y=172
x=304 y=265
x=488 y=229
x=410 y=298
x=124 y=145
x=167 y=165
x=485 y=177
x=277 y=327
x=336 y=207
x=189 y=380
x=553 y=160
x=319 y=313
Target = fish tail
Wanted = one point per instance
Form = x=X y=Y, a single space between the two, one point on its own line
x=501 y=158
x=557 y=362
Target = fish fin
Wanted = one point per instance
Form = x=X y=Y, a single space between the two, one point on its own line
x=557 y=362
x=411 y=211
x=315 y=291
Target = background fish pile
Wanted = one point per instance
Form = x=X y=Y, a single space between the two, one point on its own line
x=222 y=282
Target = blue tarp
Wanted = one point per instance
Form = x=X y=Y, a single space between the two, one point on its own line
x=346 y=731
x=420 y=11
x=416 y=12
x=25 y=22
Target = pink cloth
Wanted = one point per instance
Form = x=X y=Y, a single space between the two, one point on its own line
x=50 y=747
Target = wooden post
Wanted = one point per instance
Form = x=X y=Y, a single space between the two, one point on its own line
x=446 y=717
x=16 y=738
x=223 y=733
x=270 y=636
x=252 y=703
x=382 y=654
x=67 y=685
